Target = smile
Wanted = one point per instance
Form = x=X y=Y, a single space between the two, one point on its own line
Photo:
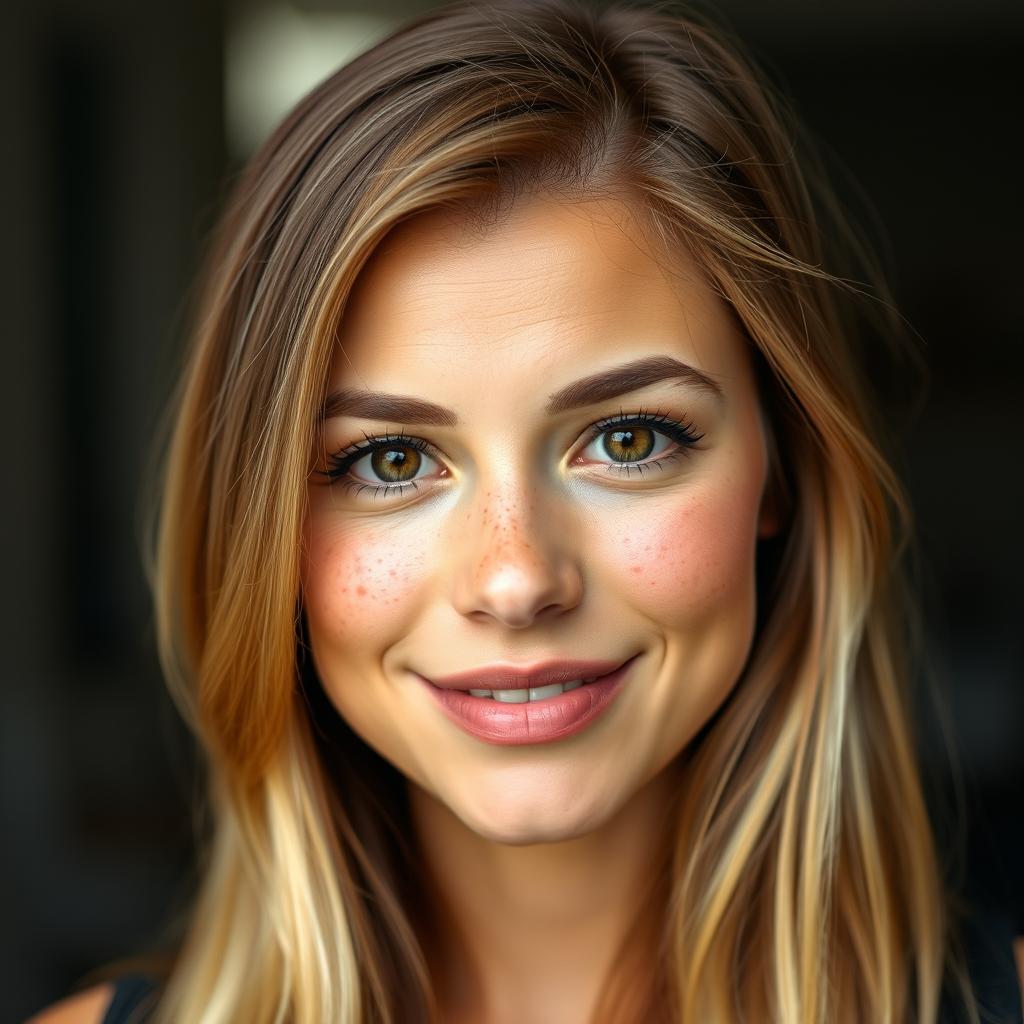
x=507 y=715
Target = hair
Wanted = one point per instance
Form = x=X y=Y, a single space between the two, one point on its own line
x=799 y=878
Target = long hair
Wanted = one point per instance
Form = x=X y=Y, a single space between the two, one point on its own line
x=799 y=878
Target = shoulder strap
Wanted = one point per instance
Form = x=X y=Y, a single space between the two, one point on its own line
x=134 y=997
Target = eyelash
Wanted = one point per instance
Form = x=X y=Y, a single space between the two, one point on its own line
x=681 y=432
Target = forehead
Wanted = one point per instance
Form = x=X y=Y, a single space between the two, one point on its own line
x=553 y=283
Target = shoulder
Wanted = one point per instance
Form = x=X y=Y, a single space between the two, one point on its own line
x=88 y=1007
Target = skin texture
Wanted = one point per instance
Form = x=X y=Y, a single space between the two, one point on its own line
x=520 y=545
x=88 y=1007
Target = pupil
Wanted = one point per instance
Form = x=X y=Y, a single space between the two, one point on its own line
x=630 y=449
x=391 y=464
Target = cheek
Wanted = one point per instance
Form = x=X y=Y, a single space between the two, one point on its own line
x=686 y=557
x=358 y=582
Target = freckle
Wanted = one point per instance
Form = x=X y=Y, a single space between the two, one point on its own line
x=361 y=591
x=636 y=568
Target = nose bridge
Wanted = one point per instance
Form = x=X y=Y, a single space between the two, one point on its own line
x=510 y=525
x=514 y=559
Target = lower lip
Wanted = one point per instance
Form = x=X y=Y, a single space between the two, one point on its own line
x=534 y=721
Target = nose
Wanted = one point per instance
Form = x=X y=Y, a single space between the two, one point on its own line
x=516 y=561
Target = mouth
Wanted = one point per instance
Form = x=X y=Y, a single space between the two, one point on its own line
x=509 y=684
x=564 y=699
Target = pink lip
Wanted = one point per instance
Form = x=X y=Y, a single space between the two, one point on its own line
x=512 y=677
x=535 y=721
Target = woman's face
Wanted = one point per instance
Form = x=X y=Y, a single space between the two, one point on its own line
x=512 y=534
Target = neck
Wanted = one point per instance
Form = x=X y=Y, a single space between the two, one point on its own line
x=533 y=932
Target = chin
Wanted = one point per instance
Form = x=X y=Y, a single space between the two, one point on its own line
x=526 y=833
x=539 y=819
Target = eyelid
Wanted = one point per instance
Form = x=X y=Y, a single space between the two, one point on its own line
x=680 y=431
x=345 y=457
x=596 y=428
x=677 y=429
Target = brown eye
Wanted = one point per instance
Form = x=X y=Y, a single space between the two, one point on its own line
x=639 y=441
x=632 y=444
x=623 y=446
x=391 y=463
x=396 y=465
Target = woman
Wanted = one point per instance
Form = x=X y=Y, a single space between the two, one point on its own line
x=528 y=564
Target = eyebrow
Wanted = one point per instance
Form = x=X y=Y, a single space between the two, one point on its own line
x=598 y=387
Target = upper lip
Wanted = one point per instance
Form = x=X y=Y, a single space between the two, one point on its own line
x=517 y=677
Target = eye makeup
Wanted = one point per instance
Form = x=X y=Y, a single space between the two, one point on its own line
x=371 y=447
x=617 y=434
x=679 y=431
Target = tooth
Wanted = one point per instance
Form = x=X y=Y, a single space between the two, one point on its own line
x=541 y=692
x=512 y=696
x=533 y=693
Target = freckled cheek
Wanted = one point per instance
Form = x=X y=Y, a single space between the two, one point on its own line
x=684 y=558
x=359 y=581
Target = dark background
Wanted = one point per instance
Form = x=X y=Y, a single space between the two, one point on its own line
x=118 y=151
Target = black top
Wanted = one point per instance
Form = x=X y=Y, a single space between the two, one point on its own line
x=134 y=997
x=988 y=939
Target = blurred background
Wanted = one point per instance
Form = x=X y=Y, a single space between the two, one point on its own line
x=126 y=123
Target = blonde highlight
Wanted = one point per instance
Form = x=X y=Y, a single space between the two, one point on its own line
x=798 y=877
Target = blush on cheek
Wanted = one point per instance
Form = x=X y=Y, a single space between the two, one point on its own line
x=356 y=580
x=686 y=558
